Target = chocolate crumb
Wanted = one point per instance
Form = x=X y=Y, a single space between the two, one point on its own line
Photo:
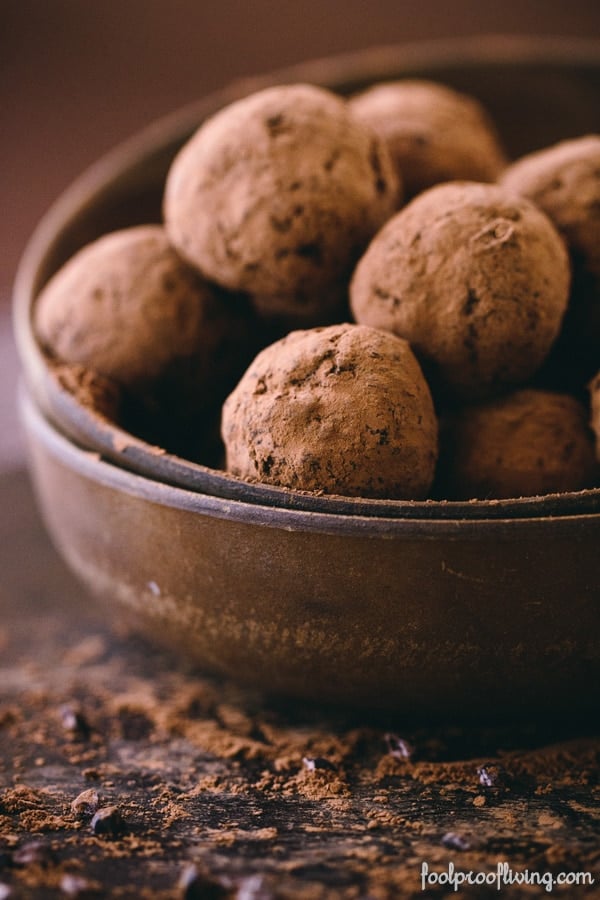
x=196 y=885
x=86 y=803
x=397 y=746
x=34 y=853
x=254 y=888
x=490 y=775
x=74 y=721
x=318 y=762
x=108 y=821
x=76 y=886
x=454 y=841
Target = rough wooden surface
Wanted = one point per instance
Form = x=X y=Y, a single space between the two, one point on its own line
x=223 y=794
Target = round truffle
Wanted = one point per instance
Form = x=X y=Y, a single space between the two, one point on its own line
x=343 y=410
x=279 y=193
x=475 y=278
x=129 y=309
x=434 y=133
x=564 y=181
x=526 y=443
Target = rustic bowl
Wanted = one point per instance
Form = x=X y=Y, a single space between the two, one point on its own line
x=426 y=608
x=444 y=618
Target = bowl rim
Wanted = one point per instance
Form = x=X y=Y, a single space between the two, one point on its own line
x=90 y=430
x=90 y=465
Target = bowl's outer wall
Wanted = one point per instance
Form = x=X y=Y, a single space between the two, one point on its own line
x=499 y=620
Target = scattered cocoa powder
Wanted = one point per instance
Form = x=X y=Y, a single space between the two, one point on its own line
x=207 y=774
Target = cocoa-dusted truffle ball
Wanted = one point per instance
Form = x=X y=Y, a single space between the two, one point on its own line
x=529 y=442
x=474 y=277
x=343 y=409
x=279 y=193
x=433 y=133
x=594 y=389
x=564 y=181
x=128 y=308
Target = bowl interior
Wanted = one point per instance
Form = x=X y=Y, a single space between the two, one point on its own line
x=537 y=91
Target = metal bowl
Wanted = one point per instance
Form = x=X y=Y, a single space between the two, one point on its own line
x=427 y=608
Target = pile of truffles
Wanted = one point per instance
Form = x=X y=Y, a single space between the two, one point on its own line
x=364 y=295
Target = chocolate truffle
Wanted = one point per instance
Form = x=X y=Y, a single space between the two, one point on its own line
x=128 y=308
x=526 y=443
x=564 y=181
x=474 y=277
x=343 y=410
x=434 y=133
x=278 y=194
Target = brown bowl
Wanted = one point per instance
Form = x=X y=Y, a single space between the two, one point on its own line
x=448 y=619
x=430 y=608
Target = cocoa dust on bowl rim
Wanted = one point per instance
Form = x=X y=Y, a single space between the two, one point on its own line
x=509 y=75
x=426 y=608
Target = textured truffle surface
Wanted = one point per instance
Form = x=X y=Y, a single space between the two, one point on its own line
x=343 y=409
x=279 y=193
x=434 y=133
x=564 y=181
x=474 y=277
x=128 y=308
x=527 y=443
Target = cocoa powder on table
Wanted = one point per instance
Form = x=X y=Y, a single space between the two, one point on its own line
x=315 y=802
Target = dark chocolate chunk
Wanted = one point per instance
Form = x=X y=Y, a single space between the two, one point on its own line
x=86 y=803
x=318 y=762
x=74 y=721
x=34 y=853
x=398 y=747
x=454 y=841
x=197 y=885
x=108 y=821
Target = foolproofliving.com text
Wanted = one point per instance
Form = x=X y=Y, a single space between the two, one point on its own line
x=501 y=877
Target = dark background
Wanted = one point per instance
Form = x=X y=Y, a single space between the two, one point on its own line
x=78 y=76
